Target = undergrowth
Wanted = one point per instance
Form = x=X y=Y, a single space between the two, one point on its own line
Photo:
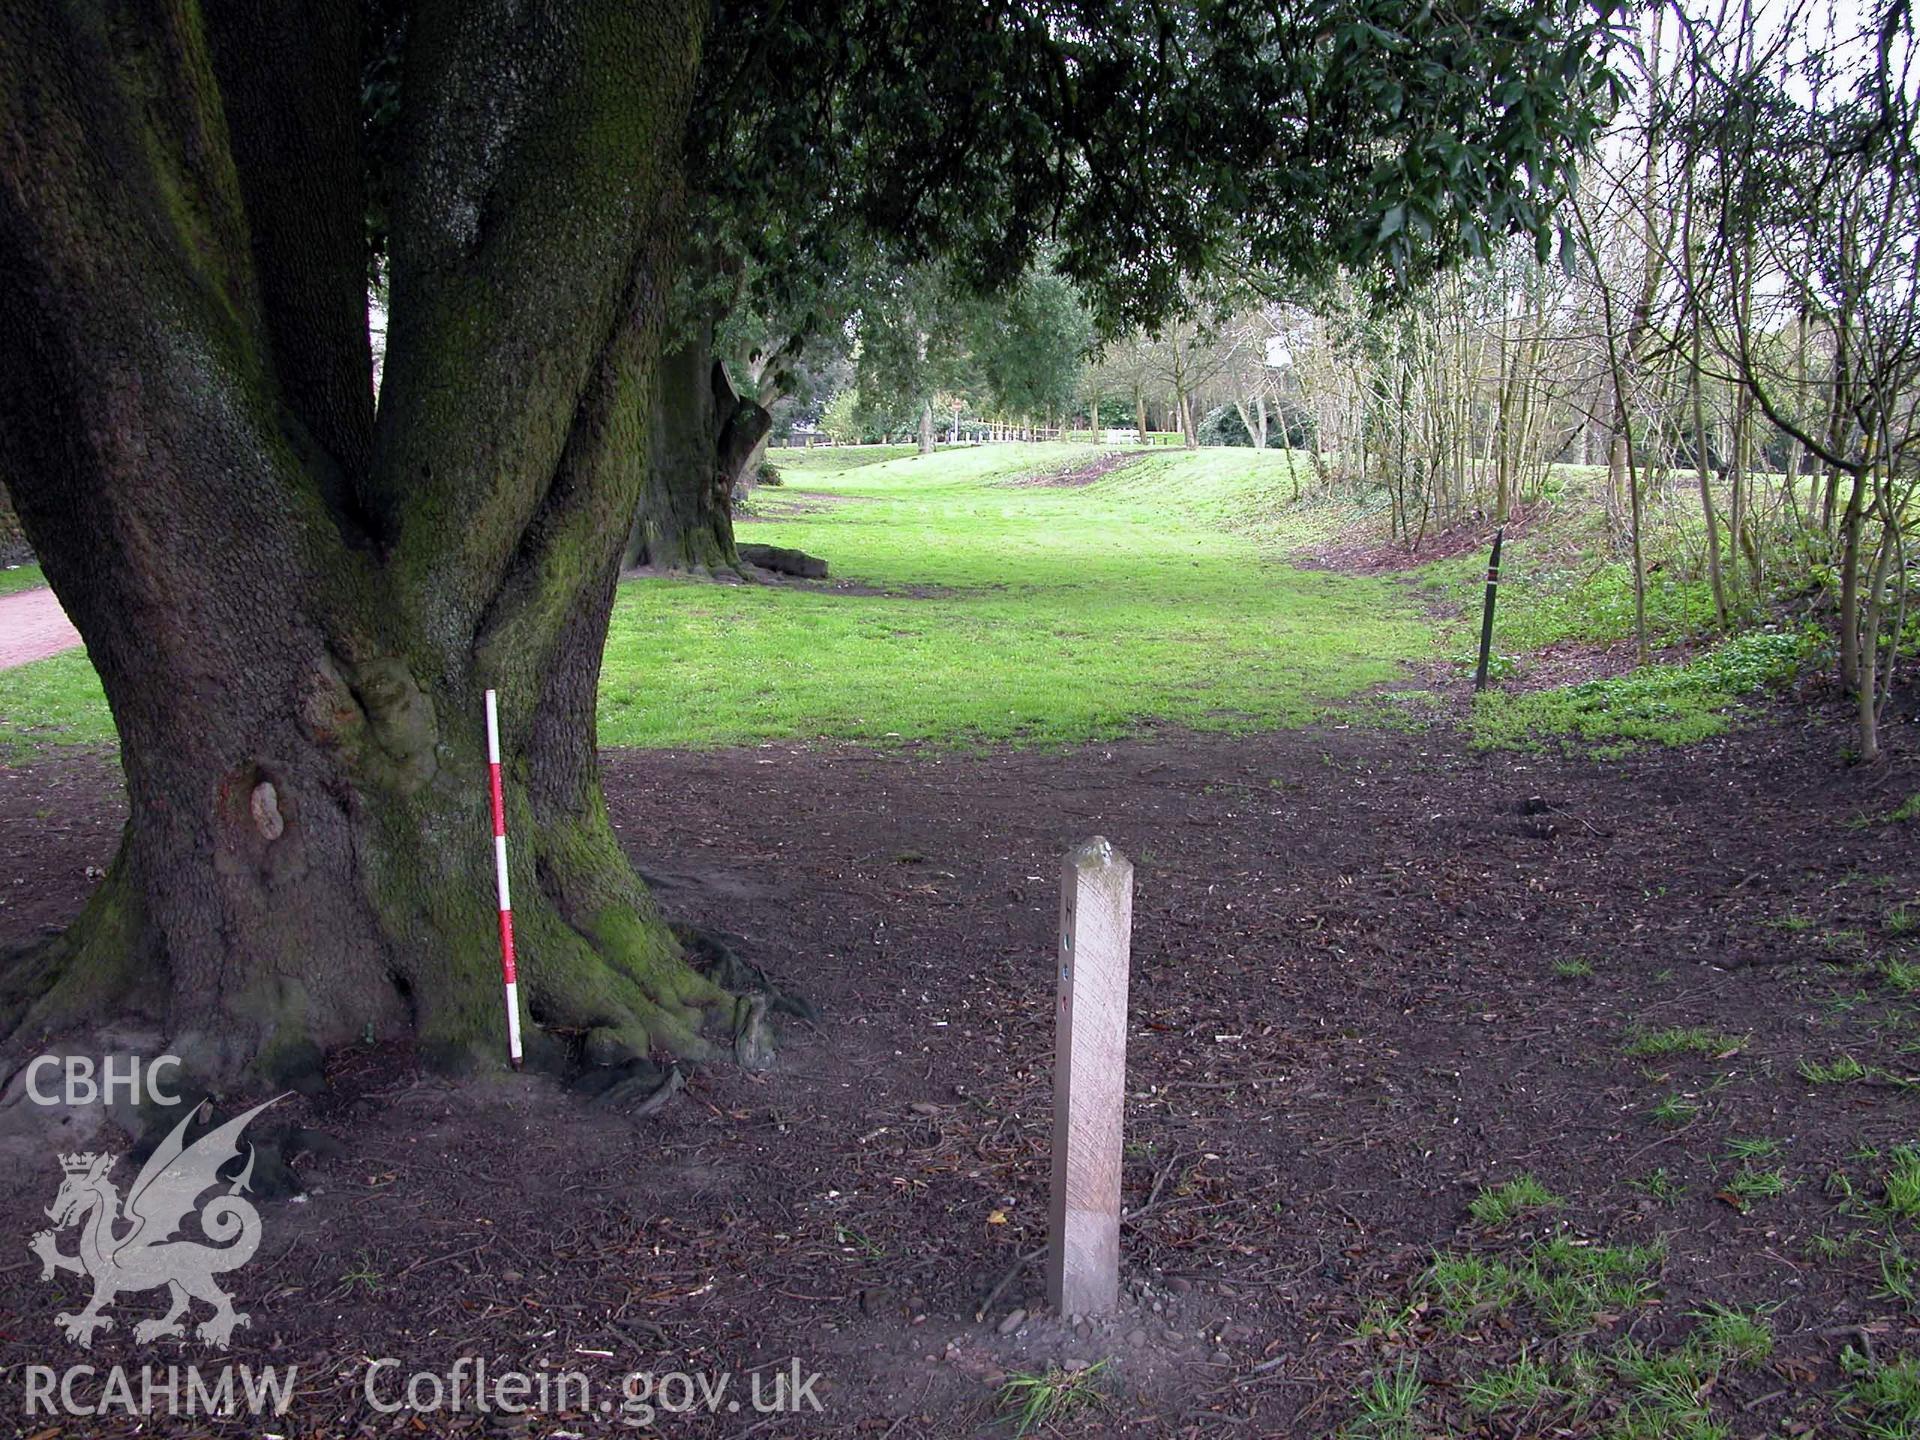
x=1656 y=704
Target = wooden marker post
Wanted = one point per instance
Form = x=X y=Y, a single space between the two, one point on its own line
x=1089 y=1080
x=1486 y=613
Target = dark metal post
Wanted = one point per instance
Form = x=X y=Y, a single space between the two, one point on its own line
x=1486 y=616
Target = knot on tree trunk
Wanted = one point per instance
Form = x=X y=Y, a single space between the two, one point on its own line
x=266 y=811
x=257 y=838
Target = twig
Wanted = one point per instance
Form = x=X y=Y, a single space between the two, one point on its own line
x=1006 y=1280
x=1656 y=1144
x=1133 y=1217
x=440 y=1259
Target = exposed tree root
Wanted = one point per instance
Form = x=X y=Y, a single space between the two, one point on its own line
x=610 y=990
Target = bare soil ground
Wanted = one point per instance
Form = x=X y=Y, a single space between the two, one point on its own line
x=771 y=502
x=1574 y=662
x=1360 y=550
x=1078 y=474
x=1347 y=1019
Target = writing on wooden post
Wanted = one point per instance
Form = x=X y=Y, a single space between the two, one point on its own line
x=1089 y=1079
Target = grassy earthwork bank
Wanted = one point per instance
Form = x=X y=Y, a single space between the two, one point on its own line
x=969 y=605
x=974 y=602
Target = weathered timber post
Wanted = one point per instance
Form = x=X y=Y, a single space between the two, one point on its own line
x=1089 y=1080
x=1486 y=614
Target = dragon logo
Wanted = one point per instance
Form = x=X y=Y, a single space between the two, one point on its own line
x=146 y=1255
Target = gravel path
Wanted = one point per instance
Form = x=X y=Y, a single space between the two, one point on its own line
x=32 y=627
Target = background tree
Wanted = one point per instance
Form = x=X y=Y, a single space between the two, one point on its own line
x=1800 y=281
x=1123 y=367
x=908 y=349
x=1030 y=346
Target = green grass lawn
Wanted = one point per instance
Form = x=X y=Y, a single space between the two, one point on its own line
x=986 y=611
x=16 y=578
x=818 y=458
x=53 y=701
x=1029 y=614
x=1011 y=613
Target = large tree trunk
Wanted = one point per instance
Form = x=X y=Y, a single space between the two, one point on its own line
x=295 y=611
x=701 y=438
x=748 y=473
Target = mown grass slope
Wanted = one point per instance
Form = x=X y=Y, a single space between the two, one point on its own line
x=993 y=610
x=978 y=609
x=15 y=578
x=974 y=603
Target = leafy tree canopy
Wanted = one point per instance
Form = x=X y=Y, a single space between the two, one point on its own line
x=1141 y=140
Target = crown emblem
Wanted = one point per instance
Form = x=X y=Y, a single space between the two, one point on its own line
x=78 y=1164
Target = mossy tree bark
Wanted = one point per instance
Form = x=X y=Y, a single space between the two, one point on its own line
x=294 y=605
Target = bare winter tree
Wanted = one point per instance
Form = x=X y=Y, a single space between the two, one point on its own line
x=1801 y=283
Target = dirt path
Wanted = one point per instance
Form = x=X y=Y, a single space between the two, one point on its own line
x=1373 y=973
x=32 y=627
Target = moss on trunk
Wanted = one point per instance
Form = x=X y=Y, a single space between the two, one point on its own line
x=389 y=933
x=294 y=610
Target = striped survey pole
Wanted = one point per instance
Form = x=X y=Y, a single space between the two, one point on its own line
x=500 y=880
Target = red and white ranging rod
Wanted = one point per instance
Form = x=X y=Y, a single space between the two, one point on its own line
x=500 y=879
